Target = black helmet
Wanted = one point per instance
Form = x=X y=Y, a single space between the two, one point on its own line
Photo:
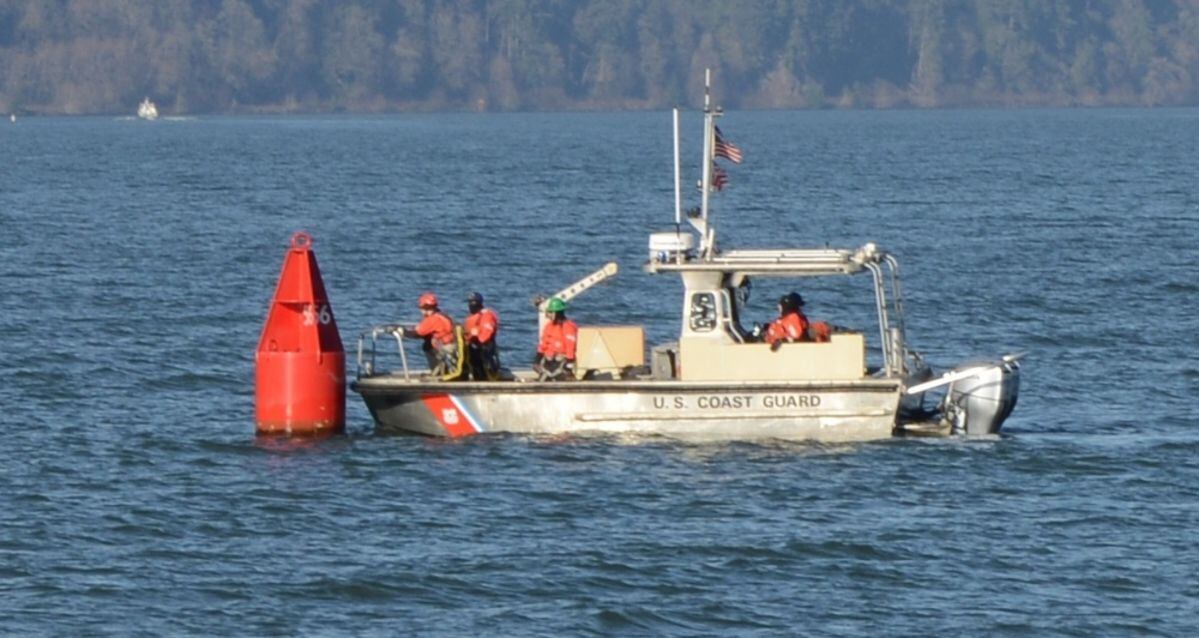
x=791 y=301
x=474 y=298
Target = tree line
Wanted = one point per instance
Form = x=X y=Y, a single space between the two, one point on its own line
x=246 y=56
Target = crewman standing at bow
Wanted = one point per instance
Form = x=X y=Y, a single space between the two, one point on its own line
x=559 y=340
x=792 y=324
x=481 y=326
x=441 y=341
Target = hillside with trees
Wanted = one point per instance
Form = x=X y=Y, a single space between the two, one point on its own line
x=248 y=56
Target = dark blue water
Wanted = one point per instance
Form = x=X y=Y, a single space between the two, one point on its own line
x=137 y=261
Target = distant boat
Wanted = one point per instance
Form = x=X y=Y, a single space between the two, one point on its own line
x=12 y=117
x=147 y=111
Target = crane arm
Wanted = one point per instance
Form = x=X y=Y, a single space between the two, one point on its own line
x=573 y=290
x=578 y=287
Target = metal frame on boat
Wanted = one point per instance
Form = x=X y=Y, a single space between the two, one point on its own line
x=717 y=381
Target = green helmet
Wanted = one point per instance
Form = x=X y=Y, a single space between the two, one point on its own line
x=556 y=305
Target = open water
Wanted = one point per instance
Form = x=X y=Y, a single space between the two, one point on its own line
x=137 y=261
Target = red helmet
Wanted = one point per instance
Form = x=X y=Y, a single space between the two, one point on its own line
x=427 y=300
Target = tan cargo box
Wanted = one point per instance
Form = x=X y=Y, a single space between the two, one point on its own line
x=610 y=349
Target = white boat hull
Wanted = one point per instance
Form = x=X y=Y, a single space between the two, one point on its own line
x=836 y=411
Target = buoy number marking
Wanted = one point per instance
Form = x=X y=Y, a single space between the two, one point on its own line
x=312 y=315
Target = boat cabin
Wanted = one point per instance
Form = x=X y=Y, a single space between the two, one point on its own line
x=713 y=345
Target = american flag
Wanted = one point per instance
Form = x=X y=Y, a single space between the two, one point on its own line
x=726 y=149
x=719 y=177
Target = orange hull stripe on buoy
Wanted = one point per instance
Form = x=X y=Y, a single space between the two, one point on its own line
x=452 y=415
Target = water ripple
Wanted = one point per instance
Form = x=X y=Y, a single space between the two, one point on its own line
x=135 y=498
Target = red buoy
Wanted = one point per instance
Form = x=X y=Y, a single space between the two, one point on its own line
x=300 y=366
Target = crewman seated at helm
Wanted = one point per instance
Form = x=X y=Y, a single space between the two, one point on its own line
x=441 y=339
x=555 y=360
x=791 y=326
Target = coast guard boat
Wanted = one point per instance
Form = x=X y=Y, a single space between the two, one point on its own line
x=717 y=381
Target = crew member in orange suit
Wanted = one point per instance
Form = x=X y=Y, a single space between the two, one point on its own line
x=481 y=326
x=559 y=340
x=437 y=329
x=791 y=326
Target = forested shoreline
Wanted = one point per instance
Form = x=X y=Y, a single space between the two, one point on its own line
x=252 y=56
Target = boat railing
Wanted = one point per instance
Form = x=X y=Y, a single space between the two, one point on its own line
x=367 y=355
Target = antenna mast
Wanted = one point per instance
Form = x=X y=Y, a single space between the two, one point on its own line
x=706 y=164
x=708 y=241
x=678 y=187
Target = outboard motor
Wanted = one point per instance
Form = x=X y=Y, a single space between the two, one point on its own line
x=982 y=397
